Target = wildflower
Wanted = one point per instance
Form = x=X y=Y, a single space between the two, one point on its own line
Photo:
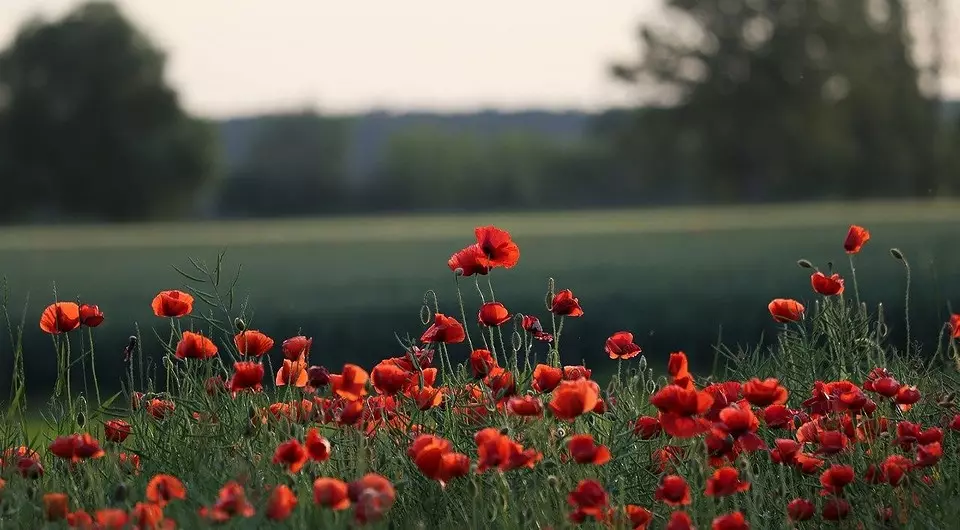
x=731 y=521
x=565 y=304
x=765 y=393
x=90 y=315
x=469 y=261
x=195 y=346
x=856 y=237
x=496 y=450
x=639 y=516
x=351 y=383
x=292 y=373
x=827 y=285
x=620 y=346
x=955 y=326
x=679 y=521
x=785 y=451
x=498 y=248
x=836 y=477
x=163 y=488
x=673 y=490
x=907 y=395
x=678 y=408
x=444 y=329
x=678 y=368
x=281 y=504
x=725 y=481
x=246 y=376
x=160 y=408
x=331 y=493
x=172 y=304
x=292 y=455
x=55 y=506
x=76 y=447
x=112 y=519
x=80 y=519
x=928 y=455
x=546 y=378
x=373 y=495
x=436 y=459
x=531 y=324
x=149 y=516
x=295 y=347
x=573 y=398
x=231 y=502
x=646 y=427
x=60 y=317
x=589 y=499
x=525 y=406
x=835 y=509
x=318 y=376
x=572 y=373
x=785 y=310
x=585 y=451
x=252 y=342
x=26 y=461
x=800 y=510
x=501 y=383
x=493 y=314
x=318 y=447
x=481 y=363
x=116 y=430
x=885 y=386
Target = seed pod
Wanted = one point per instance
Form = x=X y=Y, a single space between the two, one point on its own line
x=804 y=264
x=239 y=324
x=896 y=253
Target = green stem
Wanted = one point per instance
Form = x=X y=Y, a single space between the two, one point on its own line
x=463 y=313
x=93 y=367
x=853 y=274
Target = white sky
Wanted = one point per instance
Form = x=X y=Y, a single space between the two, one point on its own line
x=232 y=57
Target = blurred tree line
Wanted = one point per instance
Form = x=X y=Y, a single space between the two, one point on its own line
x=745 y=100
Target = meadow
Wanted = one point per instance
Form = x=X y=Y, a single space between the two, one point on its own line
x=682 y=278
x=483 y=417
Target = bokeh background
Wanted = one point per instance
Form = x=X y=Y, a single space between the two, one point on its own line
x=668 y=160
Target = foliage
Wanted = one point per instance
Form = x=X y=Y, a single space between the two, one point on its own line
x=484 y=425
x=89 y=128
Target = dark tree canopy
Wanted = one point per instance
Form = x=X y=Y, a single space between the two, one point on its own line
x=89 y=129
x=775 y=99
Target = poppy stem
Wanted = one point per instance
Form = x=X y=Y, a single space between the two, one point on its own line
x=93 y=367
x=853 y=274
x=906 y=302
x=463 y=313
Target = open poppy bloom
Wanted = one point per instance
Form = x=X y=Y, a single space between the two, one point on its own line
x=76 y=447
x=525 y=406
x=318 y=447
x=498 y=248
x=589 y=499
x=231 y=502
x=638 y=516
x=730 y=521
x=469 y=261
x=620 y=346
x=246 y=376
x=679 y=521
x=195 y=346
x=955 y=326
x=481 y=363
x=532 y=325
x=146 y=515
x=497 y=450
x=493 y=314
x=585 y=451
x=161 y=408
x=573 y=398
x=679 y=408
x=373 y=496
x=295 y=347
x=252 y=342
x=163 y=488
x=725 y=481
x=565 y=304
x=785 y=310
x=836 y=477
x=389 y=378
x=546 y=378
x=331 y=493
x=351 y=383
x=90 y=315
x=292 y=455
x=112 y=518
x=856 y=237
x=60 y=317
x=281 y=504
x=800 y=510
x=292 y=373
x=444 y=329
x=435 y=458
x=673 y=490
x=827 y=285
x=764 y=393
x=55 y=506
x=172 y=304
x=116 y=430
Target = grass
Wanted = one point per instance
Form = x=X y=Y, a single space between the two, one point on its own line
x=681 y=278
x=403 y=460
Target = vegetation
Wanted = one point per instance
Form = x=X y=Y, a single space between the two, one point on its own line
x=479 y=421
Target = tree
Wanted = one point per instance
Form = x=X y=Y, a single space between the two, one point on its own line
x=782 y=99
x=89 y=129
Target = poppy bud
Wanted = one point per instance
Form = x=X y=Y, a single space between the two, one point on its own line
x=896 y=253
x=318 y=376
x=239 y=324
x=548 y=299
x=131 y=346
x=553 y=481
x=804 y=264
x=120 y=493
x=81 y=419
x=643 y=363
x=458 y=271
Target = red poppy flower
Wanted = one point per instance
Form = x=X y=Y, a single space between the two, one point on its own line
x=295 y=347
x=112 y=519
x=546 y=378
x=885 y=386
x=149 y=516
x=532 y=325
x=577 y=371
x=646 y=427
x=907 y=395
x=481 y=363
x=763 y=393
x=891 y=471
x=836 y=477
x=835 y=509
x=318 y=376
x=26 y=460
x=60 y=317
x=90 y=315
x=80 y=519
x=55 y=506
x=231 y=502
x=497 y=246
x=678 y=406
x=785 y=310
x=496 y=450
x=76 y=447
x=501 y=383
x=639 y=516
x=164 y=488
x=469 y=261
x=351 y=383
x=252 y=342
x=679 y=521
x=785 y=451
x=928 y=455
x=493 y=314
x=620 y=346
x=565 y=304
x=331 y=493
x=427 y=397
x=731 y=521
x=589 y=499
x=856 y=237
x=318 y=447
x=172 y=304
x=195 y=346
x=388 y=378
x=436 y=459
x=827 y=285
x=573 y=398
x=725 y=481
x=281 y=504
x=292 y=373
x=525 y=406
x=673 y=490
x=291 y=454
x=831 y=442
x=800 y=510
x=585 y=451
x=247 y=376
x=374 y=495
x=678 y=368
x=955 y=326
x=116 y=430
x=444 y=329
x=160 y=408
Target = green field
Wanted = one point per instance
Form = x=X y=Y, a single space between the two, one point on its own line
x=676 y=277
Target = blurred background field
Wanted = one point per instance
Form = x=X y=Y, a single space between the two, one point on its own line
x=678 y=278
x=667 y=160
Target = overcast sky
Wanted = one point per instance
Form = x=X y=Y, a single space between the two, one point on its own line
x=231 y=57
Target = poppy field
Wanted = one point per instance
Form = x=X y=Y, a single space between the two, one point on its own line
x=483 y=421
